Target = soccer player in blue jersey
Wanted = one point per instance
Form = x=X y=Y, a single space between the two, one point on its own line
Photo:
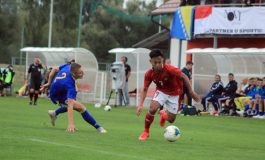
x=63 y=92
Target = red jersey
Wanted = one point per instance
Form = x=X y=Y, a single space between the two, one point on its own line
x=167 y=80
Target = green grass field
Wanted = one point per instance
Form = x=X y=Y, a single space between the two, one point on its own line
x=26 y=133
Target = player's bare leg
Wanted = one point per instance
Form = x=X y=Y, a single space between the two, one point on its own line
x=149 y=118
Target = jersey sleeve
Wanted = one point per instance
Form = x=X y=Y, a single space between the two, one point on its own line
x=147 y=79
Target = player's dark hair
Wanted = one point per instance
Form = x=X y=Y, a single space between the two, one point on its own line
x=74 y=67
x=155 y=53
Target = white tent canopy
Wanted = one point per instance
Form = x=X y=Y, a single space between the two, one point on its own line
x=244 y=63
x=138 y=59
x=237 y=51
x=51 y=57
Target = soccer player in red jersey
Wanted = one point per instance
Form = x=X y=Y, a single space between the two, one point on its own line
x=168 y=80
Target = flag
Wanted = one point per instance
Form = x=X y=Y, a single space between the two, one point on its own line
x=182 y=26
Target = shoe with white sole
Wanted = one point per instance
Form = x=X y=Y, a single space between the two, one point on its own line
x=241 y=113
x=257 y=116
x=53 y=116
x=262 y=117
x=101 y=130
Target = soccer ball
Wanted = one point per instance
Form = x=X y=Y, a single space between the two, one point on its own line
x=107 y=108
x=97 y=105
x=171 y=133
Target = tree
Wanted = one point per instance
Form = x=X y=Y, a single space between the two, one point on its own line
x=112 y=26
x=107 y=25
x=9 y=41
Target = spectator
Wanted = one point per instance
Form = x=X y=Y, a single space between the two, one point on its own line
x=252 y=108
x=187 y=71
x=228 y=96
x=2 y=77
x=244 y=96
x=261 y=102
x=216 y=89
x=242 y=87
x=8 y=80
x=124 y=93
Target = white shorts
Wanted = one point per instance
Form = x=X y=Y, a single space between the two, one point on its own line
x=172 y=102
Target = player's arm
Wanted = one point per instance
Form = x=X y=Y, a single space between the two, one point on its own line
x=147 y=82
x=142 y=98
x=71 y=126
x=186 y=81
x=50 y=78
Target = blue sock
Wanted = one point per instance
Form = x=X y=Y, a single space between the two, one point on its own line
x=246 y=108
x=60 y=110
x=87 y=117
x=257 y=109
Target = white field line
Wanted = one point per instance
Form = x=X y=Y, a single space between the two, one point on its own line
x=89 y=149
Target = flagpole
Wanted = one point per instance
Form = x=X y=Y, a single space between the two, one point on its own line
x=79 y=24
x=50 y=25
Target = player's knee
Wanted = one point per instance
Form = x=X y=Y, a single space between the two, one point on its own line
x=79 y=107
x=152 y=111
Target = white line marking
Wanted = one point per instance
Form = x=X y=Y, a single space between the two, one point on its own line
x=94 y=150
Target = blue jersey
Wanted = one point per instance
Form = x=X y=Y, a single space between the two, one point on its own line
x=255 y=90
x=263 y=92
x=63 y=86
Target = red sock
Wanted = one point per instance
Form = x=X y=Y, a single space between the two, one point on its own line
x=148 y=121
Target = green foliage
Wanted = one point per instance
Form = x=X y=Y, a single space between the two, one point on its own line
x=106 y=25
x=9 y=39
x=122 y=28
x=26 y=134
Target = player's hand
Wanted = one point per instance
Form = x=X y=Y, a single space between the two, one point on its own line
x=43 y=87
x=195 y=96
x=139 y=110
x=71 y=128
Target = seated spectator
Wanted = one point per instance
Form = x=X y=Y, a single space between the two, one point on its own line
x=228 y=96
x=216 y=89
x=261 y=114
x=241 y=89
x=244 y=96
x=7 y=80
x=2 y=77
x=258 y=93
